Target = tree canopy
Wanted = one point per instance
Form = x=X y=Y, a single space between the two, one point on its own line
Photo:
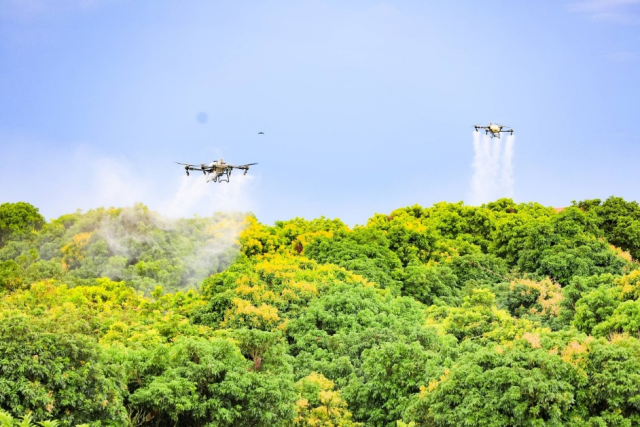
x=506 y=314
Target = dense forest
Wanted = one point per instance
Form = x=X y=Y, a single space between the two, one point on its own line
x=500 y=315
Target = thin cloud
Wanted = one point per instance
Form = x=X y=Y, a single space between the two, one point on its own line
x=616 y=11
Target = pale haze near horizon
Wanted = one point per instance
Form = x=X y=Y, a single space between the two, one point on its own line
x=366 y=106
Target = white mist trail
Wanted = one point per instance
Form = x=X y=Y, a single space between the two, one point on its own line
x=219 y=209
x=195 y=194
x=507 y=166
x=492 y=168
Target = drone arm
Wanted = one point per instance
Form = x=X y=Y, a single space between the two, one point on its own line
x=189 y=167
x=243 y=167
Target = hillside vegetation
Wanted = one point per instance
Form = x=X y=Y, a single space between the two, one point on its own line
x=501 y=315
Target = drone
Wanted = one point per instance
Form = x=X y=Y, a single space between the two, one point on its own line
x=216 y=171
x=260 y=133
x=494 y=129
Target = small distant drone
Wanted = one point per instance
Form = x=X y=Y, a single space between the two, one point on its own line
x=215 y=171
x=260 y=133
x=494 y=129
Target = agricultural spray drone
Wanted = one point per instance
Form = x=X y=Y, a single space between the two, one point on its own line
x=215 y=171
x=494 y=129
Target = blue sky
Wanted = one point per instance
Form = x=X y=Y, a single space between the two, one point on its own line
x=366 y=106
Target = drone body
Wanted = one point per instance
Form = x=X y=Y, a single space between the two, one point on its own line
x=216 y=171
x=260 y=133
x=494 y=129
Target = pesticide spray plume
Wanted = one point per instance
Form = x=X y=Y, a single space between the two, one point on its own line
x=195 y=195
x=492 y=168
x=210 y=242
x=196 y=247
x=192 y=224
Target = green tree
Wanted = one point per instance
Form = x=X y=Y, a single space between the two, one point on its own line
x=619 y=221
x=11 y=276
x=431 y=284
x=565 y=245
x=56 y=375
x=499 y=387
x=18 y=221
x=207 y=382
x=610 y=394
x=390 y=375
x=594 y=308
x=364 y=251
x=579 y=287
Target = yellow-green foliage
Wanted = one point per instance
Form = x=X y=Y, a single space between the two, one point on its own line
x=319 y=405
x=286 y=236
x=276 y=287
x=6 y=420
x=110 y=311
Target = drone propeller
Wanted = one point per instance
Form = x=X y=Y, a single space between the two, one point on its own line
x=246 y=167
